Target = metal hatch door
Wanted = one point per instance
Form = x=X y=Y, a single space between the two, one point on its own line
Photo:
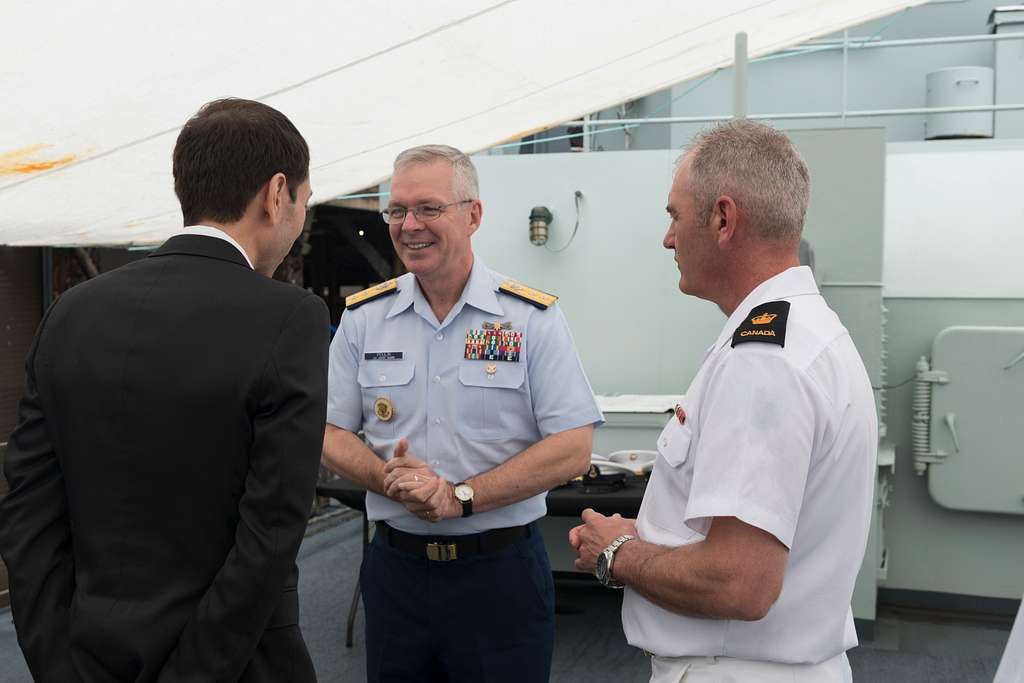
x=977 y=419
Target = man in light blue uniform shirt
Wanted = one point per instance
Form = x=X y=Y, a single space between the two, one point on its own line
x=473 y=404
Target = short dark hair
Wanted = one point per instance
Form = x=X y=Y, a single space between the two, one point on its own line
x=227 y=151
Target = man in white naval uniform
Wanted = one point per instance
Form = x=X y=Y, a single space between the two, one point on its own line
x=741 y=564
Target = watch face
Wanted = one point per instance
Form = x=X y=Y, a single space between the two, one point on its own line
x=464 y=492
x=601 y=572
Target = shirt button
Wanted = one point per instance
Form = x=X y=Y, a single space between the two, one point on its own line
x=382 y=378
x=437 y=379
x=437 y=420
x=440 y=336
x=664 y=442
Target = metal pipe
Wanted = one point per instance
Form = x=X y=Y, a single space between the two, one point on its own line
x=810 y=115
x=846 y=64
x=88 y=265
x=914 y=111
x=906 y=42
x=739 y=91
x=46 y=271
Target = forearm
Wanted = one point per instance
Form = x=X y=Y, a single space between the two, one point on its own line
x=683 y=580
x=548 y=463
x=35 y=541
x=345 y=453
x=233 y=613
x=35 y=538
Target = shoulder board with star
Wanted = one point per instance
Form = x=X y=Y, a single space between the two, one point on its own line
x=765 y=323
x=367 y=295
x=541 y=300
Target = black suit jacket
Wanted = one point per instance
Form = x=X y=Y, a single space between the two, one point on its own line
x=162 y=471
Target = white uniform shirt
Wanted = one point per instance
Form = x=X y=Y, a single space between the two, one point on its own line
x=783 y=438
x=459 y=418
x=1011 y=667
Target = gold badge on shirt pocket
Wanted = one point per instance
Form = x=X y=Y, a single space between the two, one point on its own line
x=383 y=409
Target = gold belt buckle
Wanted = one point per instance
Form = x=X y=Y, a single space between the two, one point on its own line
x=442 y=552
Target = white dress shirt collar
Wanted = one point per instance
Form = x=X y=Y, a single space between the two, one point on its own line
x=207 y=231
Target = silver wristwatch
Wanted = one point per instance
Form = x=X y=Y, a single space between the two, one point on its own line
x=603 y=571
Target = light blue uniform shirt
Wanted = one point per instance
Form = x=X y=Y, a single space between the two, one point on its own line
x=459 y=419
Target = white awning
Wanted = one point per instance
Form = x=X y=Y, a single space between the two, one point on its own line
x=93 y=95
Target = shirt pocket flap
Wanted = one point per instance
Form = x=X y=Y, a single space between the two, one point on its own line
x=386 y=373
x=674 y=442
x=505 y=375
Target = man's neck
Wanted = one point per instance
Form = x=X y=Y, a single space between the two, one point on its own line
x=246 y=240
x=443 y=290
x=745 y=280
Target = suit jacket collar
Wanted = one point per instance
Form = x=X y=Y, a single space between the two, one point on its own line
x=201 y=245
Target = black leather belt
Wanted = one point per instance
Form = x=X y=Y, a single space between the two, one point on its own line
x=448 y=548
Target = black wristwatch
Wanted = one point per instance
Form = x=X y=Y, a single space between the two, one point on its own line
x=464 y=494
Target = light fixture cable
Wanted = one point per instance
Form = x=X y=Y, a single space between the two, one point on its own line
x=579 y=198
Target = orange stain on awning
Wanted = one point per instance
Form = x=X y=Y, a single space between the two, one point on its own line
x=26 y=161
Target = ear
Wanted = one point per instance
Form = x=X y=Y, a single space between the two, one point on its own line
x=724 y=220
x=276 y=198
x=476 y=214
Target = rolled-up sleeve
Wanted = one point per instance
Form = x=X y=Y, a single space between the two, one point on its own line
x=561 y=394
x=344 y=398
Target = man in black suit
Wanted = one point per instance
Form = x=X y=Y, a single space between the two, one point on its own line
x=165 y=458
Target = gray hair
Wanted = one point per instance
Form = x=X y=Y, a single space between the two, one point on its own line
x=759 y=168
x=465 y=184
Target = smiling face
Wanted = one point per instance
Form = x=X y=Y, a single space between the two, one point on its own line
x=694 y=244
x=437 y=249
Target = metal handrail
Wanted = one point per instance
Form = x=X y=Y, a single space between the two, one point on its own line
x=845 y=45
x=914 y=111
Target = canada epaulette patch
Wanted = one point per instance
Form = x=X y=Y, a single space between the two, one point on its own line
x=541 y=300
x=766 y=323
x=377 y=291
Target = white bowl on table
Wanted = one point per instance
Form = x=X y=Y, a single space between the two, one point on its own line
x=634 y=462
x=641 y=462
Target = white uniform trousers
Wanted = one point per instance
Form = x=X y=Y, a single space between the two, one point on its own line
x=729 y=670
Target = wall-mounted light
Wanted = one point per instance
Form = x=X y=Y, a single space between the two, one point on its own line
x=540 y=219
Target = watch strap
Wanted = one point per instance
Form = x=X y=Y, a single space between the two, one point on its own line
x=610 y=551
x=467 y=505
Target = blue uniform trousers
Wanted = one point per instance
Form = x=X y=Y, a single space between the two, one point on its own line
x=482 y=619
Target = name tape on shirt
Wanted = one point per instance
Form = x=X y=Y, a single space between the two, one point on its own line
x=384 y=355
x=766 y=323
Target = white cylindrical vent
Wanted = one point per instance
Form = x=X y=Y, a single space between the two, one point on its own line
x=959 y=86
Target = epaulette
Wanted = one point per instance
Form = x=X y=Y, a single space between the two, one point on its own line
x=765 y=323
x=359 y=298
x=541 y=300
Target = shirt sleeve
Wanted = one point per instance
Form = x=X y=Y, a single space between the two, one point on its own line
x=753 y=452
x=561 y=394
x=344 y=398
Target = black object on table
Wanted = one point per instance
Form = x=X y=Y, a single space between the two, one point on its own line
x=566 y=501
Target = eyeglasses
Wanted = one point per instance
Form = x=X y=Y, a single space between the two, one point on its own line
x=423 y=212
